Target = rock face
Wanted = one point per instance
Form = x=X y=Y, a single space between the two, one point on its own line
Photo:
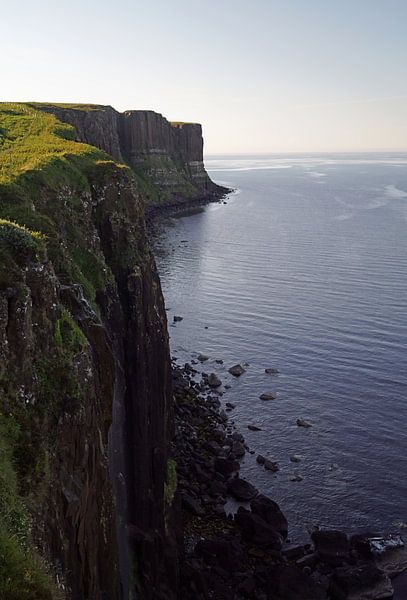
x=169 y=155
x=85 y=377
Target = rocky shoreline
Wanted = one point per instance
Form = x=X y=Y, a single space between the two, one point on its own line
x=247 y=555
x=181 y=204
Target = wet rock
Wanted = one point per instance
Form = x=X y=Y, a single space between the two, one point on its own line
x=269 y=465
x=360 y=582
x=202 y=357
x=241 y=489
x=295 y=458
x=271 y=371
x=219 y=361
x=227 y=386
x=257 y=531
x=296 y=477
x=387 y=551
x=230 y=405
x=331 y=546
x=303 y=423
x=260 y=459
x=270 y=512
x=268 y=396
x=214 y=381
x=237 y=370
x=177 y=319
x=253 y=428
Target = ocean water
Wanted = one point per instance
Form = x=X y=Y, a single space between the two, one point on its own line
x=304 y=269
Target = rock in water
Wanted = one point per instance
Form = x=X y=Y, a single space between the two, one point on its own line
x=253 y=428
x=237 y=370
x=177 y=319
x=268 y=396
x=271 y=371
x=202 y=357
x=269 y=465
x=241 y=489
x=303 y=423
x=214 y=381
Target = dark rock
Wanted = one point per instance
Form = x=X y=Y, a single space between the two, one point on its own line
x=253 y=428
x=202 y=357
x=219 y=361
x=260 y=459
x=296 y=477
x=303 y=423
x=214 y=381
x=271 y=371
x=295 y=458
x=238 y=449
x=270 y=512
x=269 y=465
x=241 y=489
x=257 y=531
x=225 y=466
x=220 y=552
x=361 y=582
x=309 y=560
x=331 y=546
x=230 y=405
x=177 y=319
x=268 y=396
x=293 y=551
x=237 y=370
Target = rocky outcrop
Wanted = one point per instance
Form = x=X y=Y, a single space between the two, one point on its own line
x=168 y=156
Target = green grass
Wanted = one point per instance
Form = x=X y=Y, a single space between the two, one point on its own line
x=35 y=141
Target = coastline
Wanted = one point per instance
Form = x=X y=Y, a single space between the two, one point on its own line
x=180 y=205
x=248 y=554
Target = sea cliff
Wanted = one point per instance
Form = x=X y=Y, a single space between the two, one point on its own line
x=85 y=389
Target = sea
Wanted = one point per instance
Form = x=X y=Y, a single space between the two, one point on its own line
x=303 y=269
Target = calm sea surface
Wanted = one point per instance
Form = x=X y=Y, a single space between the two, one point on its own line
x=305 y=270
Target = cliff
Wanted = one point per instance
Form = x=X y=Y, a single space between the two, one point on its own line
x=85 y=392
x=167 y=156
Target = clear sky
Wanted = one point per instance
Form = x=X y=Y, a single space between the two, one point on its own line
x=260 y=75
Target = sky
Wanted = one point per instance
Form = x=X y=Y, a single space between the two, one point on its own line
x=261 y=76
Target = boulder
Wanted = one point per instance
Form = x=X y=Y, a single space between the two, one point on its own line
x=241 y=489
x=269 y=465
x=237 y=370
x=271 y=371
x=270 y=512
x=303 y=423
x=202 y=357
x=268 y=396
x=257 y=531
x=177 y=319
x=214 y=381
